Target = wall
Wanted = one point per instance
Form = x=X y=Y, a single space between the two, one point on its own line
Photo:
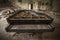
x=25 y=4
x=5 y=3
x=35 y=6
x=56 y=5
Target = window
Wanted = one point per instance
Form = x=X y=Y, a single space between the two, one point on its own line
x=19 y=0
x=42 y=3
x=47 y=3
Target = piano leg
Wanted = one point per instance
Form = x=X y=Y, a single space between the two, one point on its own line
x=16 y=34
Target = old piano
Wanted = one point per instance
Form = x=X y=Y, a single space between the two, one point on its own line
x=29 y=21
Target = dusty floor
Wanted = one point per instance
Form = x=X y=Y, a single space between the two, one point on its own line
x=25 y=36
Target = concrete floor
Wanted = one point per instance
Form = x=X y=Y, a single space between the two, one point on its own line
x=24 y=36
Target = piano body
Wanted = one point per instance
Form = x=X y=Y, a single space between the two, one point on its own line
x=29 y=21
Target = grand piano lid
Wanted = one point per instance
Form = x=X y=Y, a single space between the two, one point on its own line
x=38 y=18
x=30 y=28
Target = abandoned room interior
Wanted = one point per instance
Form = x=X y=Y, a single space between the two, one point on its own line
x=29 y=19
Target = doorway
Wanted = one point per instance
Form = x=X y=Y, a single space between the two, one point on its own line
x=30 y=6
